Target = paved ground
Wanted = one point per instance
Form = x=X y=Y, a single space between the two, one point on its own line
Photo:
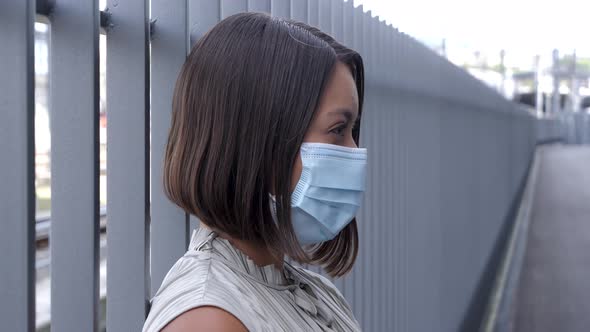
x=554 y=290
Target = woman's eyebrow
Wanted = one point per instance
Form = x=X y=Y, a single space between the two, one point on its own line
x=348 y=114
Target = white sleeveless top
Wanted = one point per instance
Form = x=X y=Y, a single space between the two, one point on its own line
x=215 y=273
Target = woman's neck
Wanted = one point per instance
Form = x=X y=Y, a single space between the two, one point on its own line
x=260 y=255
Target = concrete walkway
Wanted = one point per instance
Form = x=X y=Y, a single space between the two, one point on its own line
x=554 y=289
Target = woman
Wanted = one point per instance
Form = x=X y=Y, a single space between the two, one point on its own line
x=263 y=150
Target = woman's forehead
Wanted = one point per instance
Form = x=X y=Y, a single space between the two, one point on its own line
x=340 y=92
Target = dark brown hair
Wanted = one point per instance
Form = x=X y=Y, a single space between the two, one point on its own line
x=242 y=104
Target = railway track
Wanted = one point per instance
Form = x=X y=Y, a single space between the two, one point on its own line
x=42 y=230
x=43 y=225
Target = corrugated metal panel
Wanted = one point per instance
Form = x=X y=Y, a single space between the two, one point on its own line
x=75 y=190
x=280 y=8
x=230 y=7
x=299 y=10
x=128 y=139
x=17 y=165
x=313 y=12
x=325 y=16
x=202 y=16
x=429 y=205
x=337 y=12
x=259 y=6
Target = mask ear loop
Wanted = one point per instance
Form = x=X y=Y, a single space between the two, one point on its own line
x=273 y=207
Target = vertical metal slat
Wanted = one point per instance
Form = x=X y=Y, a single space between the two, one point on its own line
x=325 y=16
x=280 y=8
x=389 y=251
x=313 y=12
x=262 y=6
x=230 y=7
x=169 y=224
x=17 y=160
x=128 y=165
x=337 y=13
x=74 y=190
x=367 y=226
x=299 y=10
x=202 y=16
x=378 y=209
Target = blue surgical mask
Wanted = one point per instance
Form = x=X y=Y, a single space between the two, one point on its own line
x=329 y=191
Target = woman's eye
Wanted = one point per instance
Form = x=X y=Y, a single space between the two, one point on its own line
x=339 y=130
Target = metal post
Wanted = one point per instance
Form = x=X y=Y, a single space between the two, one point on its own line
x=574 y=97
x=502 y=72
x=538 y=92
x=555 y=98
x=17 y=165
x=230 y=7
x=169 y=223
x=128 y=188
x=262 y=6
x=75 y=141
x=280 y=8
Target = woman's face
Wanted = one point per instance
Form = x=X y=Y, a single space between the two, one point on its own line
x=335 y=117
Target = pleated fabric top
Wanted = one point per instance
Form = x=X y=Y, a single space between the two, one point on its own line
x=214 y=273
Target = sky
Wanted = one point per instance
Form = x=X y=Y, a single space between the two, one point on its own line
x=523 y=28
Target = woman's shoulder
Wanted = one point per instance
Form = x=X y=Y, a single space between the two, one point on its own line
x=194 y=281
x=207 y=318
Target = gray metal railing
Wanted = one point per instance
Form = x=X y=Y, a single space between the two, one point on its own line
x=447 y=157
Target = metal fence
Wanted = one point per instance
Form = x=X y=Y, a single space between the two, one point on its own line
x=447 y=158
x=576 y=126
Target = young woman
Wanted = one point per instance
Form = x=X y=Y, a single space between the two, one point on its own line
x=263 y=150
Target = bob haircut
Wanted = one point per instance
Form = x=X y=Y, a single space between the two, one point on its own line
x=242 y=104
